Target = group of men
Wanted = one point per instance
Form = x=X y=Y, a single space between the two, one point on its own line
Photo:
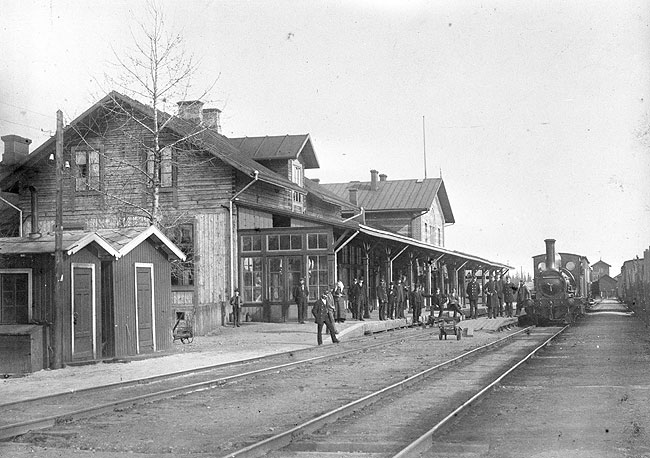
x=500 y=294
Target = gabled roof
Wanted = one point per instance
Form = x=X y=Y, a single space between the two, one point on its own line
x=322 y=193
x=397 y=195
x=115 y=242
x=278 y=147
x=207 y=139
x=600 y=262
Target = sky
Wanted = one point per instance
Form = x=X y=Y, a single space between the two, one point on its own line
x=533 y=112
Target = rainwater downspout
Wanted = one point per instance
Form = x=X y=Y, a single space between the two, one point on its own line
x=355 y=216
x=232 y=244
x=390 y=260
x=20 y=212
x=336 y=270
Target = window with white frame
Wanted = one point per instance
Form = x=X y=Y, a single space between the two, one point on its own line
x=297 y=176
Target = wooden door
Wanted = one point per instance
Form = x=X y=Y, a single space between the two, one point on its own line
x=145 y=308
x=83 y=312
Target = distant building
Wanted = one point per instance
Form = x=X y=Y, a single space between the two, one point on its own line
x=607 y=286
x=599 y=269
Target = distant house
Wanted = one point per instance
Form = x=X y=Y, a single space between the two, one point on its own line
x=599 y=269
x=607 y=286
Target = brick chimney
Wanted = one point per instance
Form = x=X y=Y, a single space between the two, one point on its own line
x=374 y=185
x=383 y=177
x=190 y=110
x=16 y=149
x=212 y=118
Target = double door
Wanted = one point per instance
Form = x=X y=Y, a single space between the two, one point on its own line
x=283 y=274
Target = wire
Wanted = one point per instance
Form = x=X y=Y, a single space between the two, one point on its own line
x=26 y=109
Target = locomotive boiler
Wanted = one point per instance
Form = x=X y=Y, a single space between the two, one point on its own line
x=561 y=285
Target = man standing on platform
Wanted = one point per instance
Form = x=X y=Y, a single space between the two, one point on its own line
x=399 y=299
x=301 y=296
x=382 y=297
x=508 y=295
x=391 y=301
x=500 y=295
x=473 y=292
x=492 y=298
x=417 y=301
x=322 y=316
x=362 y=301
x=352 y=301
x=523 y=295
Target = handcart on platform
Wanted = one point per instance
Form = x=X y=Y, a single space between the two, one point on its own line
x=448 y=326
x=183 y=330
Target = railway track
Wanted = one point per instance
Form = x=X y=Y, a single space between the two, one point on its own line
x=21 y=417
x=400 y=420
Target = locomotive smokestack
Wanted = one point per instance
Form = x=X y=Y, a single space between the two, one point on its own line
x=550 y=254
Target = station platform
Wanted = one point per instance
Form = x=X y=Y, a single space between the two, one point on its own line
x=225 y=345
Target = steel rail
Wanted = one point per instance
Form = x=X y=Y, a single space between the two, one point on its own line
x=285 y=438
x=425 y=442
x=15 y=429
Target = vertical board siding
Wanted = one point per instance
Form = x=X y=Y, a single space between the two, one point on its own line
x=212 y=268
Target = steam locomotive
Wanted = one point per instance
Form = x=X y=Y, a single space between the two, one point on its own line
x=562 y=285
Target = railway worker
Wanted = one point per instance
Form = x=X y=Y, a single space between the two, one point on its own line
x=473 y=291
x=500 y=295
x=417 y=301
x=322 y=316
x=523 y=295
x=339 y=302
x=399 y=299
x=301 y=296
x=382 y=297
x=492 y=299
x=236 y=302
x=509 y=295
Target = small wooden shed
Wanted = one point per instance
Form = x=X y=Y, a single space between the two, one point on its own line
x=117 y=296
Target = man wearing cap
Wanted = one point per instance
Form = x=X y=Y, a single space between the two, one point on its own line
x=361 y=301
x=382 y=297
x=301 y=295
x=236 y=301
x=492 y=299
x=322 y=316
x=473 y=291
x=523 y=295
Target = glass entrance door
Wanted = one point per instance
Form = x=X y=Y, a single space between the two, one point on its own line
x=284 y=273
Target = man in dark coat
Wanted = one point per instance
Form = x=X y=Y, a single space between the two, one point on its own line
x=509 y=295
x=473 y=292
x=236 y=301
x=399 y=299
x=382 y=297
x=492 y=298
x=361 y=301
x=523 y=296
x=500 y=295
x=322 y=316
x=352 y=302
x=301 y=296
x=439 y=302
x=417 y=302
x=391 y=301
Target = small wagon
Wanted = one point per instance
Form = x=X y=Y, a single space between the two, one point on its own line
x=449 y=326
x=183 y=330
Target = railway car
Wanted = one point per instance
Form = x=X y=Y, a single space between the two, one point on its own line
x=562 y=285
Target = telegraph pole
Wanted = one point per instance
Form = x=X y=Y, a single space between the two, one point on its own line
x=57 y=362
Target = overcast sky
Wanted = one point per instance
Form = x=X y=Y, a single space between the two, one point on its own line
x=532 y=110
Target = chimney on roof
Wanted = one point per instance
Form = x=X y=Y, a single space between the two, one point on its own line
x=373 y=180
x=383 y=177
x=16 y=149
x=353 y=196
x=212 y=119
x=190 y=110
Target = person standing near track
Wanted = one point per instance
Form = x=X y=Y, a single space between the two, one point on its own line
x=508 y=295
x=352 y=301
x=492 y=299
x=361 y=299
x=399 y=299
x=523 y=295
x=339 y=302
x=417 y=301
x=236 y=302
x=322 y=317
x=391 y=301
x=500 y=295
x=301 y=296
x=382 y=297
x=473 y=292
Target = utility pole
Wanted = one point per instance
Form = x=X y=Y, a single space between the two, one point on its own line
x=57 y=362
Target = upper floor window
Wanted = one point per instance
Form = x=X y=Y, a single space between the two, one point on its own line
x=86 y=168
x=160 y=169
x=317 y=241
x=251 y=243
x=297 y=176
x=183 y=271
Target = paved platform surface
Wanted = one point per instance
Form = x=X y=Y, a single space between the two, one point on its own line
x=225 y=345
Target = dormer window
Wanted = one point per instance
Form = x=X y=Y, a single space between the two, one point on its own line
x=297 y=176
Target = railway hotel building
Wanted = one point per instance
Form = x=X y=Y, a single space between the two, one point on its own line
x=240 y=210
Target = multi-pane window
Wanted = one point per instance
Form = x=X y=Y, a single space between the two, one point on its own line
x=318 y=276
x=183 y=271
x=87 y=170
x=251 y=243
x=284 y=242
x=14 y=297
x=160 y=169
x=297 y=174
x=316 y=241
x=251 y=290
